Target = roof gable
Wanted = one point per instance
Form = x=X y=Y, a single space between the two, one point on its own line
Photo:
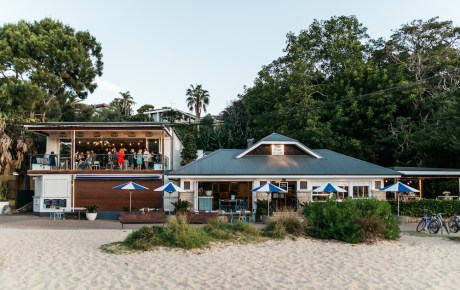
x=278 y=139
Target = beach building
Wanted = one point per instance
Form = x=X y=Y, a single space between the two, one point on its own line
x=170 y=115
x=225 y=178
x=82 y=164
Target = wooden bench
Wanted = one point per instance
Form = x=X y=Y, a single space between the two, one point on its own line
x=200 y=217
x=142 y=218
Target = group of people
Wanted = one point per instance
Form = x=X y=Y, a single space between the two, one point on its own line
x=121 y=159
x=85 y=162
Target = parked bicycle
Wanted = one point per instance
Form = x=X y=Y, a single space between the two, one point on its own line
x=454 y=223
x=426 y=222
x=437 y=223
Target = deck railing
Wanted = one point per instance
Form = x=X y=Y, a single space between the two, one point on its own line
x=100 y=162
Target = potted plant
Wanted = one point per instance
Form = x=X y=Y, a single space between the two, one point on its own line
x=91 y=212
x=262 y=210
x=181 y=206
x=208 y=189
x=3 y=197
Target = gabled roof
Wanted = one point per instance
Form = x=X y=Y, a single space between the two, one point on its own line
x=224 y=162
x=275 y=139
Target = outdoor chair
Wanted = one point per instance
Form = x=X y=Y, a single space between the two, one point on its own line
x=242 y=216
x=96 y=165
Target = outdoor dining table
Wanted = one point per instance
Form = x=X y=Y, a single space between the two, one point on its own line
x=236 y=214
x=229 y=204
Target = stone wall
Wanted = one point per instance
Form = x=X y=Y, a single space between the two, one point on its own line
x=380 y=195
x=188 y=196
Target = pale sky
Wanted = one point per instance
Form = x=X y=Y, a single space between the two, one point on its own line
x=156 y=49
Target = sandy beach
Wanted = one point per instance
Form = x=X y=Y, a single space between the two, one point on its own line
x=71 y=259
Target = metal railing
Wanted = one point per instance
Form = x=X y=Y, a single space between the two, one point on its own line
x=99 y=162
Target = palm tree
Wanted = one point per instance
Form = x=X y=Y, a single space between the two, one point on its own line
x=198 y=98
x=125 y=103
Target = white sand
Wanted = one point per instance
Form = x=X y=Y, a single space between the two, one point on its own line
x=70 y=259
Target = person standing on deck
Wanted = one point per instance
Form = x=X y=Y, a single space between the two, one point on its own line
x=126 y=157
x=139 y=159
x=52 y=160
x=145 y=157
x=121 y=158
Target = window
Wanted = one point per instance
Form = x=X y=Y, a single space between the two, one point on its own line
x=303 y=185
x=360 y=191
x=341 y=195
x=187 y=185
x=378 y=184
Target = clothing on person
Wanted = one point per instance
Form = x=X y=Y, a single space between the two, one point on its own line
x=86 y=163
x=52 y=158
x=139 y=159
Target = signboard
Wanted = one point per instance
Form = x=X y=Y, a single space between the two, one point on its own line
x=277 y=149
x=284 y=185
x=48 y=203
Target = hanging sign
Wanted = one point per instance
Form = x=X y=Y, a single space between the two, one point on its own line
x=277 y=149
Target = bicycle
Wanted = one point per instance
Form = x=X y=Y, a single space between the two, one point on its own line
x=454 y=223
x=426 y=221
x=438 y=223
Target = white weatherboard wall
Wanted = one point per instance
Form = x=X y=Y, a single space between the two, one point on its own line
x=52 y=188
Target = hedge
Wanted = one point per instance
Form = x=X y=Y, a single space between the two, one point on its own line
x=417 y=208
x=351 y=221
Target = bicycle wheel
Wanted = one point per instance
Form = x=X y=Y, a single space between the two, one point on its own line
x=434 y=226
x=453 y=225
x=421 y=225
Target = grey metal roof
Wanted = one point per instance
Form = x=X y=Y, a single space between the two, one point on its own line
x=223 y=162
x=278 y=137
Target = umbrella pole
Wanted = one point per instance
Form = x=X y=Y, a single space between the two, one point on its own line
x=130 y=201
x=397 y=194
x=170 y=204
x=268 y=204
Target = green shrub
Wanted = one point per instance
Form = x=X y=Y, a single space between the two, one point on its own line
x=286 y=223
x=275 y=230
x=351 y=221
x=179 y=234
x=144 y=238
x=224 y=231
x=417 y=208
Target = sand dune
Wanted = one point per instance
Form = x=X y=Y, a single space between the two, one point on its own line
x=71 y=259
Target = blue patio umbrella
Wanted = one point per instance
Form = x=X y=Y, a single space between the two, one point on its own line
x=329 y=188
x=170 y=188
x=130 y=186
x=268 y=188
x=399 y=187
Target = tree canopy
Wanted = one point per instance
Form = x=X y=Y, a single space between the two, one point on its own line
x=197 y=100
x=44 y=63
x=392 y=102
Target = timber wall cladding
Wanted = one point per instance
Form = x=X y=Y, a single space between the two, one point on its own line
x=102 y=194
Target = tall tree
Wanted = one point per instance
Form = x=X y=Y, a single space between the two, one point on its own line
x=197 y=100
x=46 y=61
x=125 y=103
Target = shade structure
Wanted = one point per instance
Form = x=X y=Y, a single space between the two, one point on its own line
x=329 y=188
x=170 y=188
x=268 y=188
x=399 y=187
x=130 y=186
